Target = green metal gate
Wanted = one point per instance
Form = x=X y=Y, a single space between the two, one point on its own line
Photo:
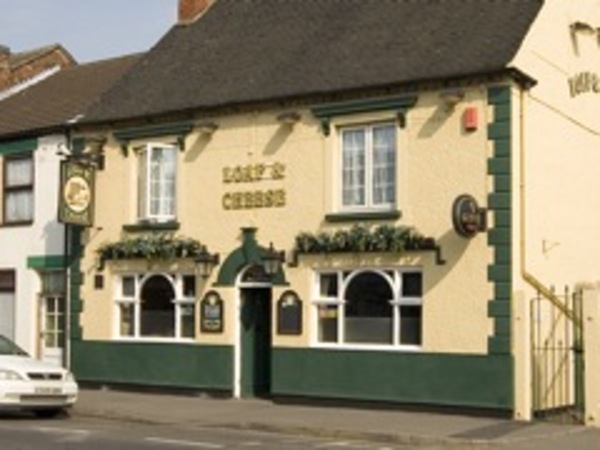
x=557 y=356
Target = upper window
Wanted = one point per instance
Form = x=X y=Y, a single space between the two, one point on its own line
x=156 y=306
x=368 y=167
x=18 y=189
x=157 y=182
x=370 y=307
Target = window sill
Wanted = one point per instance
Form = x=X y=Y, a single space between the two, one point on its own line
x=152 y=226
x=367 y=215
x=27 y=223
x=369 y=347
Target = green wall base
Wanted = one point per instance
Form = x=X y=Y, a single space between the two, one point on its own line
x=160 y=365
x=469 y=381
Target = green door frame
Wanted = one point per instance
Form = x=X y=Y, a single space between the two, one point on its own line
x=255 y=341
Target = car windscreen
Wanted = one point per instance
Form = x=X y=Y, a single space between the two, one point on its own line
x=8 y=347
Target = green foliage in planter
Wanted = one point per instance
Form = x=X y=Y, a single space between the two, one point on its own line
x=360 y=238
x=153 y=246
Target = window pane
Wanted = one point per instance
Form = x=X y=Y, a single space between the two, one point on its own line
x=410 y=325
x=127 y=319
x=53 y=283
x=142 y=187
x=328 y=323
x=189 y=286
x=188 y=322
x=384 y=165
x=328 y=285
x=157 y=311
x=412 y=284
x=353 y=168
x=18 y=206
x=369 y=314
x=128 y=287
x=162 y=181
x=19 y=172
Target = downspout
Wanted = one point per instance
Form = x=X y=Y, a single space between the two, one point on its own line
x=528 y=277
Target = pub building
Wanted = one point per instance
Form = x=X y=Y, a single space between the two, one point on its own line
x=339 y=201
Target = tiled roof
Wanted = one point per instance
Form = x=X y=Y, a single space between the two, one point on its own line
x=51 y=103
x=244 y=51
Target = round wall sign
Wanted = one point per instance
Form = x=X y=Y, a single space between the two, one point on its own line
x=467 y=216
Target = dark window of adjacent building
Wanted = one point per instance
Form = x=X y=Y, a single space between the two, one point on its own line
x=18 y=189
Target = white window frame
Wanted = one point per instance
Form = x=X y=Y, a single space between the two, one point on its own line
x=26 y=188
x=144 y=183
x=397 y=302
x=180 y=302
x=369 y=204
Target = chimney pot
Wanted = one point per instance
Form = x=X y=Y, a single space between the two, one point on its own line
x=190 y=10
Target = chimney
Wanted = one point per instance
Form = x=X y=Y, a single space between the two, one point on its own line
x=4 y=67
x=190 y=10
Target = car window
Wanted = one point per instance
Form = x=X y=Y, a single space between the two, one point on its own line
x=8 y=347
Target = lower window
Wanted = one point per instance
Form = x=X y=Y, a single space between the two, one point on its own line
x=373 y=307
x=156 y=306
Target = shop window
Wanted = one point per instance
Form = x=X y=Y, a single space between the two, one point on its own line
x=156 y=306
x=18 y=189
x=157 y=165
x=368 y=167
x=369 y=307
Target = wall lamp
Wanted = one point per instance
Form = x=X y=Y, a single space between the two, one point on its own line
x=207 y=127
x=451 y=98
x=288 y=117
x=272 y=260
x=93 y=158
x=206 y=262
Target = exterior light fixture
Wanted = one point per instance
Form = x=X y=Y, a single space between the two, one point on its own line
x=205 y=262
x=288 y=117
x=207 y=127
x=272 y=260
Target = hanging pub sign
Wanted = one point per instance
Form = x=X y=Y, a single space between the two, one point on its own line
x=467 y=217
x=211 y=313
x=76 y=200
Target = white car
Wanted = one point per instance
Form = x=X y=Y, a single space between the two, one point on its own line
x=27 y=384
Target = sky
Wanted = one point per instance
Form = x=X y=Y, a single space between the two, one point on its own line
x=90 y=30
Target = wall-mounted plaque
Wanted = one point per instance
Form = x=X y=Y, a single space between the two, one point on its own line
x=211 y=313
x=289 y=314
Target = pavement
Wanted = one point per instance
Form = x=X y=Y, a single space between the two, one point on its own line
x=398 y=426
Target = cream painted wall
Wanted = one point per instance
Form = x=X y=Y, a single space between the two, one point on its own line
x=438 y=160
x=561 y=146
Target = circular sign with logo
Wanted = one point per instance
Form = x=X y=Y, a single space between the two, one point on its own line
x=77 y=194
x=467 y=217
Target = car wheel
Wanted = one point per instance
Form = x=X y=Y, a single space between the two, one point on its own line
x=48 y=413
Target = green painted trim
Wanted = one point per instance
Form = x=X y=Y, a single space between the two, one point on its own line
x=164 y=226
x=398 y=104
x=479 y=381
x=75 y=281
x=363 y=216
x=499 y=344
x=500 y=204
x=499 y=308
x=154 y=364
x=46 y=262
x=18 y=146
x=247 y=254
x=179 y=129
